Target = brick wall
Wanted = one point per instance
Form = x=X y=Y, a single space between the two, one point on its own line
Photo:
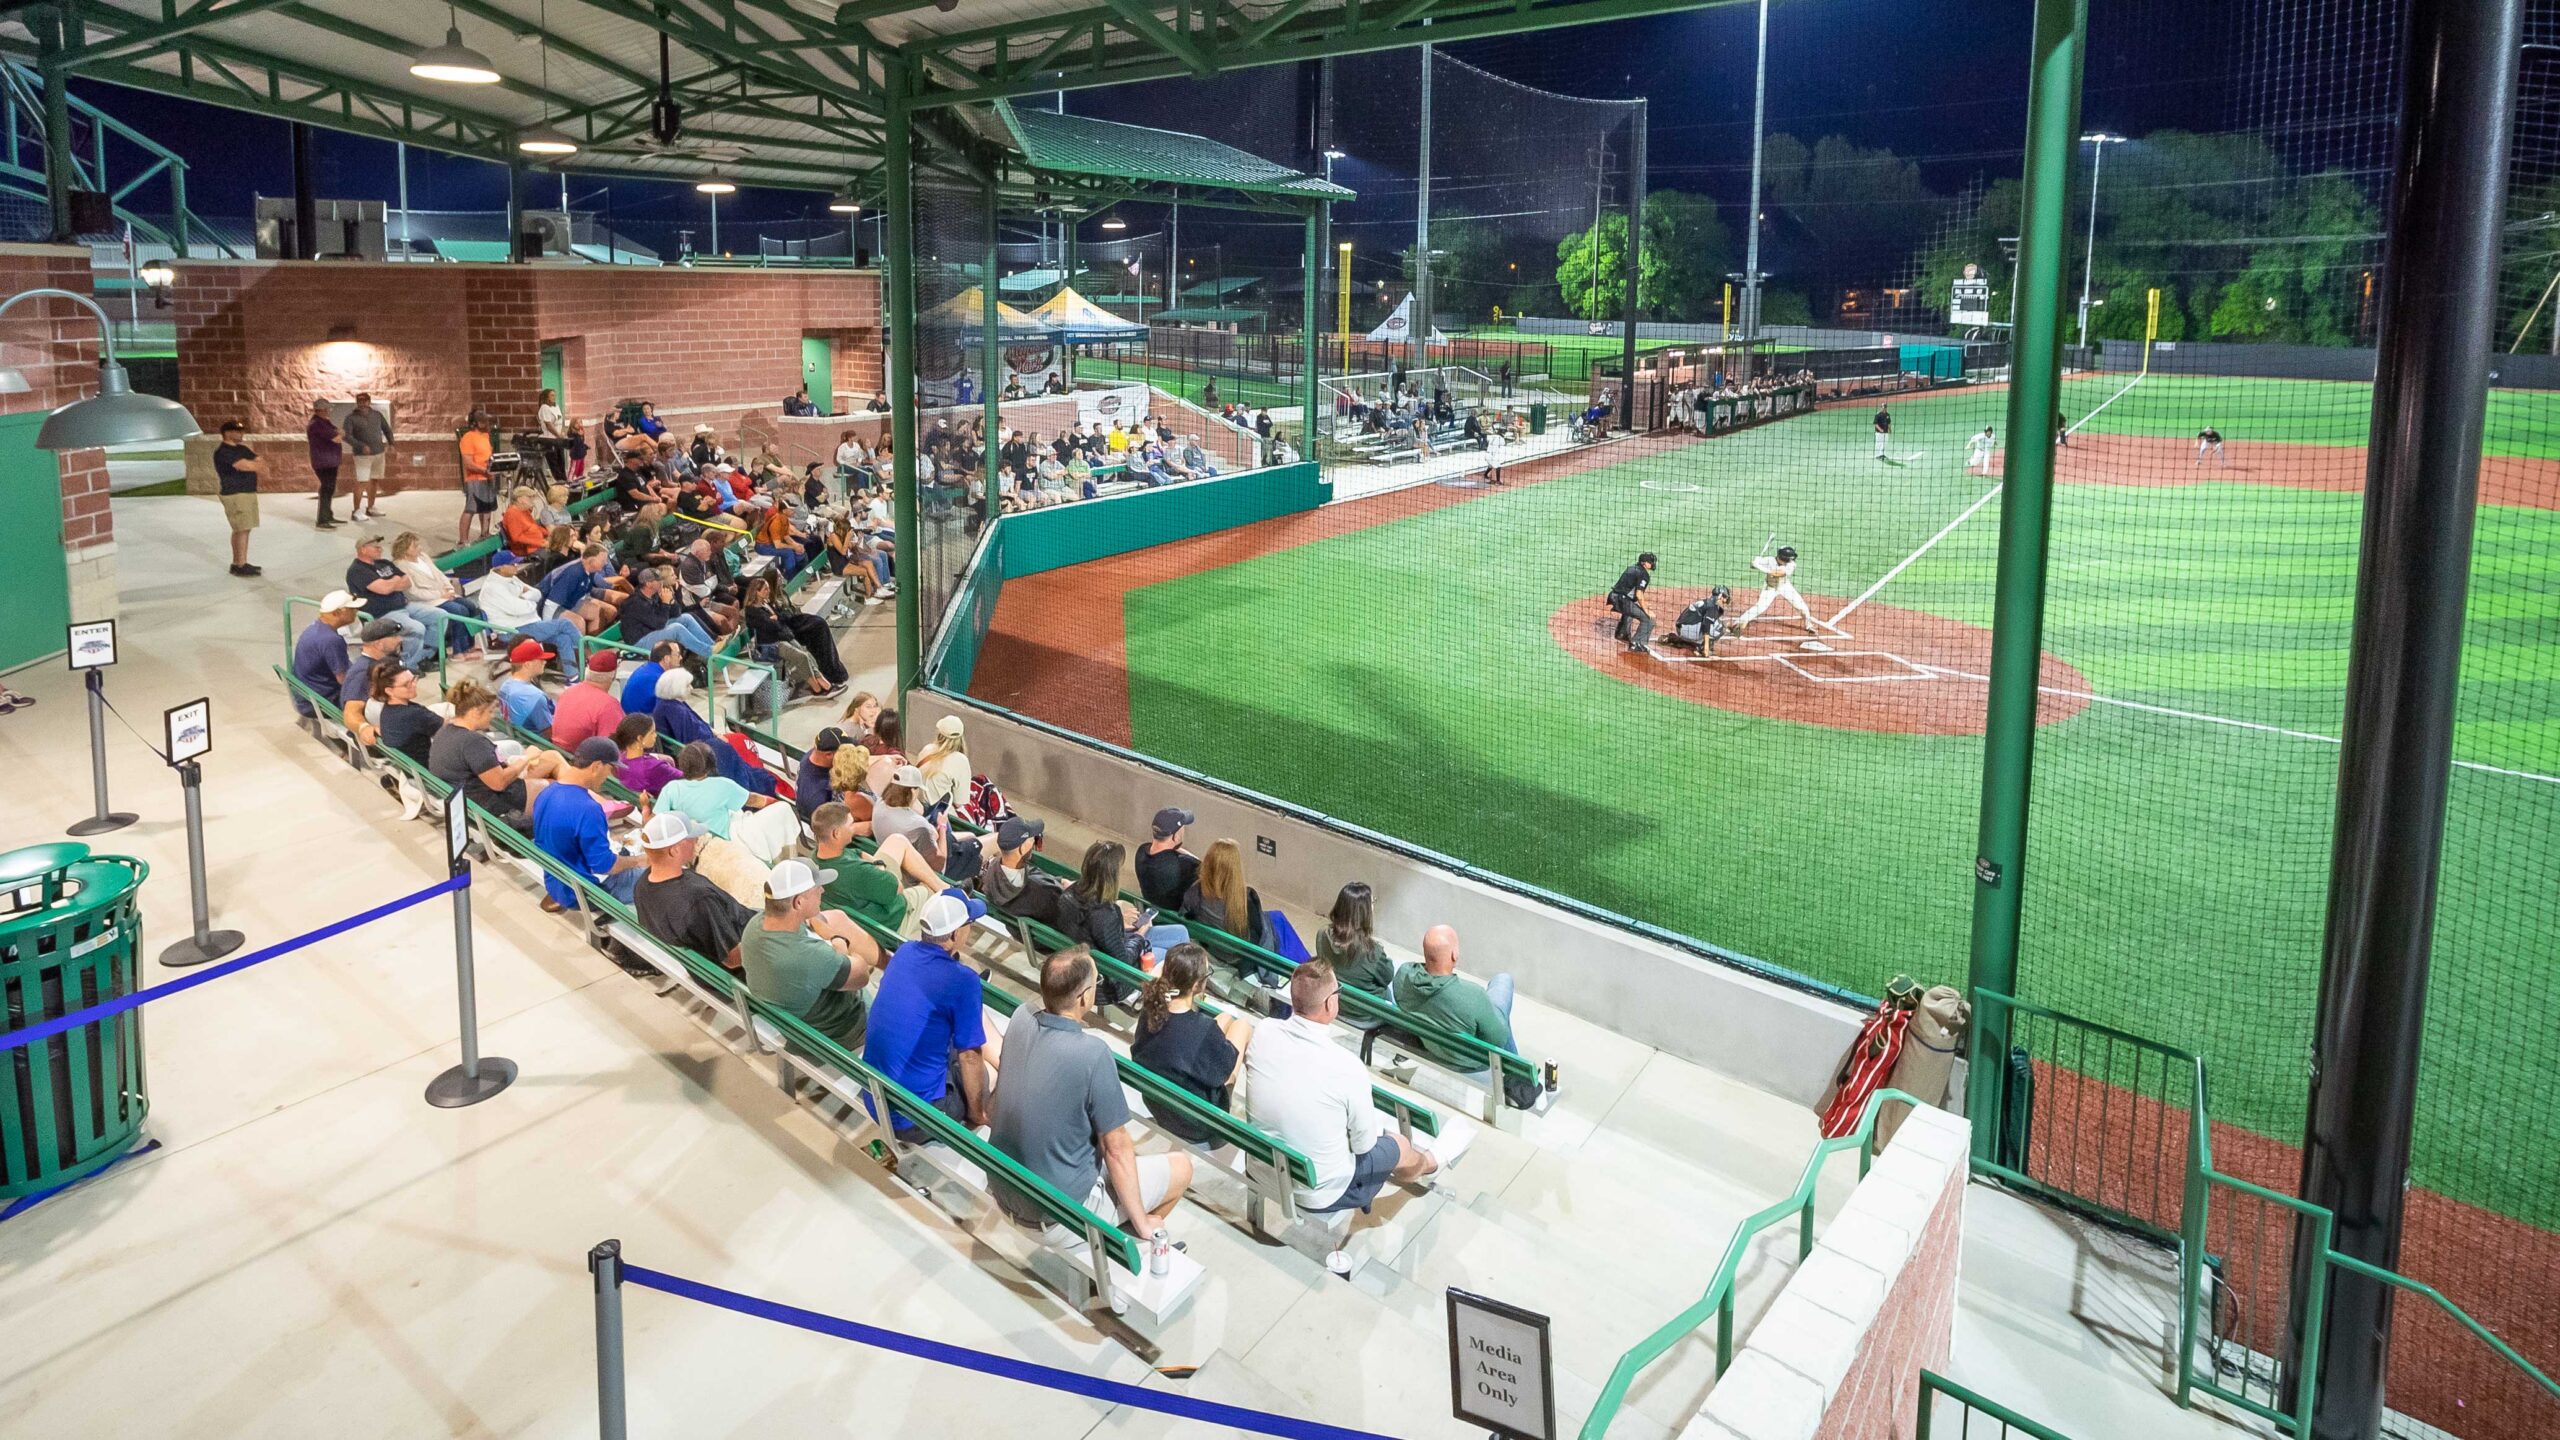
x=258 y=339
x=1838 y=1355
x=54 y=343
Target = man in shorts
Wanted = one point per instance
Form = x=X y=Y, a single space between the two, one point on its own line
x=479 y=492
x=236 y=469
x=1314 y=1096
x=1060 y=1111
x=367 y=433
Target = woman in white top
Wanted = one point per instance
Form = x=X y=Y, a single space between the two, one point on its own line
x=849 y=458
x=427 y=584
x=944 y=764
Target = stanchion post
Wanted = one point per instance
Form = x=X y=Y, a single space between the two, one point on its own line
x=478 y=1076
x=605 y=1263
x=104 y=819
x=206 y=943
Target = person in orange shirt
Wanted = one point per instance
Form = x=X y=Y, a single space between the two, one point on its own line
x=479 y=493
x=522 y=526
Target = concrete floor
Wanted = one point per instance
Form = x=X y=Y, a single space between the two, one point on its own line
x=314 y=1251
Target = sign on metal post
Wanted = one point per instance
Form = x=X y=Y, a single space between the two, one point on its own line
x=1501 y=1368
x=92 y=644
x=90 y=647
x=190 y=730
x=457 y=828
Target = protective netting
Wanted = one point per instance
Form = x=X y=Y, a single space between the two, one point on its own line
x=951 y=254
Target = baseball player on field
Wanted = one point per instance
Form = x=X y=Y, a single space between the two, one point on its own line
x=1977 y=455
x=1778 y=583
x=2209 y=442
x=1883 y=428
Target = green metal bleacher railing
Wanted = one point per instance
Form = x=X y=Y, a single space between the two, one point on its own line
x=1718 y=1300
x=2137 y=1081
x=1967 y=1405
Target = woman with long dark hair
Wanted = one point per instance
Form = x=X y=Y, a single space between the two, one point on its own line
x=769 y=621
x=1349 y=941
x=1202 y=1053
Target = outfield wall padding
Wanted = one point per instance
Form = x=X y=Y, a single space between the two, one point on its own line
x=1064 y=535
x=2304 y=362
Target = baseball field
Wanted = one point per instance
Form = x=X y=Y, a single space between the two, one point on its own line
x=1435 y=664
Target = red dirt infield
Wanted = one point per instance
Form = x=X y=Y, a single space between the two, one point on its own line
x=1864 y=683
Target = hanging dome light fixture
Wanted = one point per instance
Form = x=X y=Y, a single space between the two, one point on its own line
x=453 y=62
x=546 y=138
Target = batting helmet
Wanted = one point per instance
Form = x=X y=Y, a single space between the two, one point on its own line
x=1786 y=554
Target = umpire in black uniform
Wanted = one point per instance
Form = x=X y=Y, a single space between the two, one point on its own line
x=1635 y=624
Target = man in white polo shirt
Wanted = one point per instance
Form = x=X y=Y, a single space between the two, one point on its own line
x=1314 y=1095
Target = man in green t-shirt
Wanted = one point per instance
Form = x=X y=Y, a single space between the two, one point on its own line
x=869 y=886
x=1435 y=991
x=811 y=962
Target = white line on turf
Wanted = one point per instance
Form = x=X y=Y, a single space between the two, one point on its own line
x=2263 y=729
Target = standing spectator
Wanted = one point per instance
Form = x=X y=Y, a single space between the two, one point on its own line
x=1349 y=942
x=236 y=469
x=477 y=446
x=527 y=704
x=811 y=962
x=588 y=710
x=367 y=433
x=568 y=823
x=555 y=429
x=577 y=448
x=320 y=651
x=1061 y=1114
x=928 y=1023
x=1164 y=870
x=679 y=906
x=321 y=435
x=1203 y=1054
x=1314 y=1096
x=1436 y=991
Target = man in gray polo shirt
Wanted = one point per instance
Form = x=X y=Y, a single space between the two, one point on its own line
x=1059 y=1111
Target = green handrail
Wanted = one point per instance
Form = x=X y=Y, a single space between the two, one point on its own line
x=1718 y=1299
x=1933 y=1384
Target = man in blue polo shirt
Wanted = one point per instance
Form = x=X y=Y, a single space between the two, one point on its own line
x=640 y=692
x=568 y=823
x=927 y=1029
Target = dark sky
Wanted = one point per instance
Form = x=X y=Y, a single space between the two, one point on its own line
x=1935 y=80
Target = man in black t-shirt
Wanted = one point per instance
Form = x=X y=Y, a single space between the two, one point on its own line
x=236 y=469
x=679 y=906
x=1635 y=623
x=1164 y=871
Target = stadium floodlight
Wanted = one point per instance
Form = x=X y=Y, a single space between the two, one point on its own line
x=1331 y=153
x=2089 y=261
x=715 y=183
x=453 y=62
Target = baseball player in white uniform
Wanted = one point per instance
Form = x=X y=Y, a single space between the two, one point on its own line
x=1778 y=583
x=1977 y=455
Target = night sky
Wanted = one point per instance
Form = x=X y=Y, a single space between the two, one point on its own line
x=1936 y=81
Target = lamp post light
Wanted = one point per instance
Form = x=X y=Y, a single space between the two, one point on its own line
x=2088 y=263
x=113 y=416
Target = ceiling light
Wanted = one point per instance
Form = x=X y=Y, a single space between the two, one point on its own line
x=1114 y=222
x=453 y=62
x=715 y=183
x=844 y=204
x=546 y=140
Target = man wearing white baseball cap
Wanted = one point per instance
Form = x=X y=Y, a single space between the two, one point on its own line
x=678 y=905
x=928 y=1023
x=320 y=651
x=811 y=962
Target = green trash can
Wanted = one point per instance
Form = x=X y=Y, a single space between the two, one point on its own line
x=1538 y=417
x=70 y=935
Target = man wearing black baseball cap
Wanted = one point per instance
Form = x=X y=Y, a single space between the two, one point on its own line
x=814 y=786
x=1164 y=870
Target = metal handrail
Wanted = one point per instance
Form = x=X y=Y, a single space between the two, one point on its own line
x=1933 y=1384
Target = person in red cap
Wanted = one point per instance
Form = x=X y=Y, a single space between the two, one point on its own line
x=528 y=705
x=588 y=709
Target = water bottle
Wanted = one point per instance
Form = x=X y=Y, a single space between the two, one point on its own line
x=1159 y=1254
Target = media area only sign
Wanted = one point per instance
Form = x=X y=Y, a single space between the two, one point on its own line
x=1501 y=1372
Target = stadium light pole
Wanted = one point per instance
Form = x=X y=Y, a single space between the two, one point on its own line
x=1759 y=123
x=2089 y=263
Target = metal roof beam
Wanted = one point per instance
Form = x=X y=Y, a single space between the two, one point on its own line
x=704 y=35
x=1139 y=20
x=390 y=44
x=155 y=36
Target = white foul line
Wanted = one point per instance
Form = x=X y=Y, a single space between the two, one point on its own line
x=1987 y=497
x=2235 y=724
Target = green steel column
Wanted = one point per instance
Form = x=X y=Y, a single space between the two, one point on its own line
x=179 y=221
x=898 y=225
x=1309 y=387
x=2026 y=516
x=991 y=361
x=1634 y=266
x=54 y=40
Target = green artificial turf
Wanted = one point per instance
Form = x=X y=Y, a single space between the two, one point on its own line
x=2302 y=412
x=1403 y=678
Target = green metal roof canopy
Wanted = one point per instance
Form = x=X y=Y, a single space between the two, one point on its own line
x=1077 y=145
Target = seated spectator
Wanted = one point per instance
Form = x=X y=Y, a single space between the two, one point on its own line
x=528 y=705
x=1196 y=460
x=1094 y=914
x=1313 y=1095
x=518 y=609
x=815 y=784
x=810 y=961
x=429 y=585
x=871 y=885
x=1059 y=1111
x=405 y=725
x=860 y=710
x=1218 y=897
x=1349 y=942
x=569 y=825
x=520 y=525
x=676 y=904
x=1436 y=991
x=638 y=543
x=898 y=810
x=944 y=764
x=775 y=540
x=379 y=586
x=649 y=615
x=1080 y=475
x=640 y=687
x=1007 y=878
x=320 y=651
x=928 y=1022
x=850 y=772
x=770 y=620
x=463 y=756
x=1203 y=1054
x=1165 y=870
x=376 y=644
x=553 y=510
x=643 y=770
x=587 y=710
x=704 y=795
x=582 y=588
x=887 y=735
x=679 y=725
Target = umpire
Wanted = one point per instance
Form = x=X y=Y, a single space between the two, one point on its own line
x=1635 y=624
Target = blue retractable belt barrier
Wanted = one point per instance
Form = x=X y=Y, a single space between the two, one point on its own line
x=106 y=1009
x=1113 y=1392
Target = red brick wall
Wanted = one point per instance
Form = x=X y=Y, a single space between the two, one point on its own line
x=434 y=340
x=54 y=343
x=1879 y=1399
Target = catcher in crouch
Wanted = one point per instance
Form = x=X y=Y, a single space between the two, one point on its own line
x=1778 y=583
x=1700 y=623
